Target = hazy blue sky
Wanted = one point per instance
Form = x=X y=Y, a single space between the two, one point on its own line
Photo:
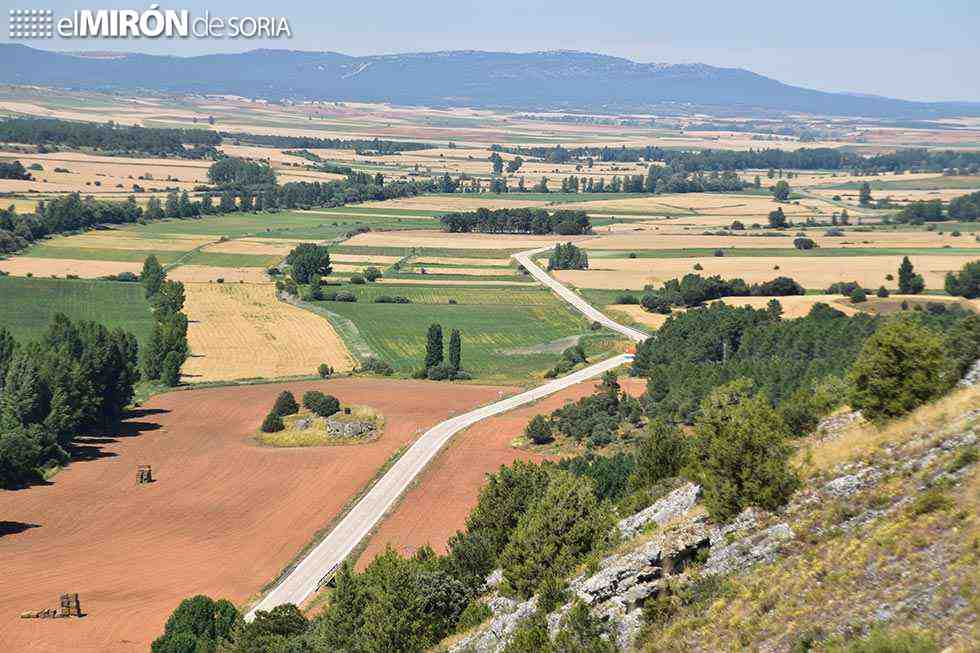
x=900 y=48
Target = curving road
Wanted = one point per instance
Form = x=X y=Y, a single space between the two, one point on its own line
x=579 y=304
x=304 y=579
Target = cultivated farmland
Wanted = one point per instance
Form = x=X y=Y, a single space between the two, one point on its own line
x=224 y=516
x=241 y=331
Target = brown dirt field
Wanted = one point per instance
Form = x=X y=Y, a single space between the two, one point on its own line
x=241 y=331
x=451 y=484
x=815 y=272
x=46 y=267
x=426 y=238
x=223 y=518
x=207 y=273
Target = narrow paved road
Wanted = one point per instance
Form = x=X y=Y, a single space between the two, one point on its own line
x=579 y=304
x=304 y=579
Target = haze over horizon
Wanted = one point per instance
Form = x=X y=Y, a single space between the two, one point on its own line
x=910 y=52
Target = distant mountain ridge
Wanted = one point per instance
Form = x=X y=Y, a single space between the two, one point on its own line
x=556 y=80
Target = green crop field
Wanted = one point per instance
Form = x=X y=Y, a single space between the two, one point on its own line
x=231 y=260
x=492 y=333
x=423 y=252
x=95 y=254
x=29 y=305
x=462 y=295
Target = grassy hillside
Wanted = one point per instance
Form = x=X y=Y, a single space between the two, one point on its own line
x=30 y=303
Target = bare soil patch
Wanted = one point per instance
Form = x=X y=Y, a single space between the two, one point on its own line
x=223 y=518
x=21 y=266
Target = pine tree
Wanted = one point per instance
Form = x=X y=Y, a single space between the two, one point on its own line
x=171 y=207
x=455 y=349
x=433 y=346
x=909 y=283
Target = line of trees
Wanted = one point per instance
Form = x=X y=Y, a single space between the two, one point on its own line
x=373 y=145
x=77 y=377
x=110 y=137
x=965 y=208
x=518 y=221
x=167 y=348
x=821 y=158
x=695 y=290
x=71 y=212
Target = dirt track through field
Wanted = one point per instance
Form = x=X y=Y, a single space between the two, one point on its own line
x=223 y=517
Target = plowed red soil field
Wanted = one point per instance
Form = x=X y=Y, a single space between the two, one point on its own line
x=437 y=505
x=223 y=517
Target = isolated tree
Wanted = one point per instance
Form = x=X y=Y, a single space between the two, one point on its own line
x=538 y=430
x=777 y=219
x=324 y=370
x=804 y=243
x=285 y=404
x=864 y=195
x=433 y=346
x=781 y=190
x=455 y=349
x=152 y=276
x=909 y=283
x=858 y=296
x=740 y=454
x=307 y=259
x=901 y=366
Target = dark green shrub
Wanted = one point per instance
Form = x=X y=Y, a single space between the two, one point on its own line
x=285 y=404
x=321 y=404
x=538 y=430
x=324 y=371
x=272 y=423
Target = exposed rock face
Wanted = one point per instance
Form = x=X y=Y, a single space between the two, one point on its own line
x=972 y=376
x=673 y=505
x=617 y=590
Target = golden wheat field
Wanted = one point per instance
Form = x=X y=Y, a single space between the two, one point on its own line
x=210 y=273
x=241 y=331
x=23 y=266
x=453 y=260
x=127 y=240
x=453 y=282
x=815 y=272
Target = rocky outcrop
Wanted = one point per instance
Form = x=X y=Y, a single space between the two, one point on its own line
x=620 y=585
x=348 y=428
x=672 y=506
x=972 y=376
